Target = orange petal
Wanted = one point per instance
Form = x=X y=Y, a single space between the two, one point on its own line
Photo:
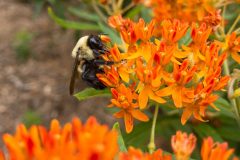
x=236 y=56
x=55 y=127
x=139 y=115
x=156 y=98
x=124 y=75
x=164 y=92
x=119 y=114
x=187 y=112
x=128 y=120
x=177 y=97
x=143 y=97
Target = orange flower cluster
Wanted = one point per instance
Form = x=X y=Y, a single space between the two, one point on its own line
x=156 y=64
x=137 y=154
x=92 y=141
x=186 y=10
x=73 y=141
x=183 y=146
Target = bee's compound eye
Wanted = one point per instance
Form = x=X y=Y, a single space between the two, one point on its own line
x=95 y=42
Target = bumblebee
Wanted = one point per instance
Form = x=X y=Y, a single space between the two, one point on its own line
x=88 y=61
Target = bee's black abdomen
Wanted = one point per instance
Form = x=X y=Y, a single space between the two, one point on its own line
x=89 y=75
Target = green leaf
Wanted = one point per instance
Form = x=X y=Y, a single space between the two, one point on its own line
x=186 y=40
x=224 y=106
x=110 y=32
x=229 y=133
x=90 y=93
x=84 y=15
x=120 y=138
x=205 y=130
x=146 y=14
x=71 y=24
x=133 y=12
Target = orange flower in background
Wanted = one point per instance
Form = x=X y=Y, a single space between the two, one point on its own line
x=72 y=141
x=232 y=46
x=186 y=10
x=213 y=18
x=137 y=154
x=212 y=151
x=183 y=145
x=126 y=99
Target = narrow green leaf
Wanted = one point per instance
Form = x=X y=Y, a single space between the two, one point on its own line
x=224 y=106
x=71 y=24
x=186 y=40
x=204 y=130
x=110 y=32
x=90 y=93
x=84 y=15
x=120 y=138
x=133 y=12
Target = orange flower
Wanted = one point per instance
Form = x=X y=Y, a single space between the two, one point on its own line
x=143 y=31
x=73 y=141
x=183 y=145
x=182 y=76
x=172 y=31
x=200 y=34
x=121 y=65
x=136 y=154
x=150 y=82
x=212 y=151
x=126 y=99
x=232 y=46
x=213 y=18
x=110 y=78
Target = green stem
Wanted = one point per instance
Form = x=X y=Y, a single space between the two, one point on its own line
x=234 y=24
x=99 y=12
x=233 y=101
x=151 y=145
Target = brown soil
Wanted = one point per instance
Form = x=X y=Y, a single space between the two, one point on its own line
x=41 y=83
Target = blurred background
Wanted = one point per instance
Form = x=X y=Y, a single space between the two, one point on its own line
x=36 y=65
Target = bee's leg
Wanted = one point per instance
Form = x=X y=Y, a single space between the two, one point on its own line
x=102 y=62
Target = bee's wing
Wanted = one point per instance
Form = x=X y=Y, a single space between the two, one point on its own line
x=74 y=74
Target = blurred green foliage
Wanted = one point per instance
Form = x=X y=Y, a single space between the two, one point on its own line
x=31 y=118
x=21 y=45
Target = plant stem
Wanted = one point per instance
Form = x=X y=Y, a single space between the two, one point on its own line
x=151 y=145
x=234 y=24
x=99 y=12
x=127 y=7
x=233 y=101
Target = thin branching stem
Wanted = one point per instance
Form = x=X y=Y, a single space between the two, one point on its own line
x=151 y=145
x=132 y=4
x=234 y=24
x=233 y=101
x=99 y=12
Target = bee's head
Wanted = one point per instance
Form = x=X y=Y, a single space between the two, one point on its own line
x=95 y=42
